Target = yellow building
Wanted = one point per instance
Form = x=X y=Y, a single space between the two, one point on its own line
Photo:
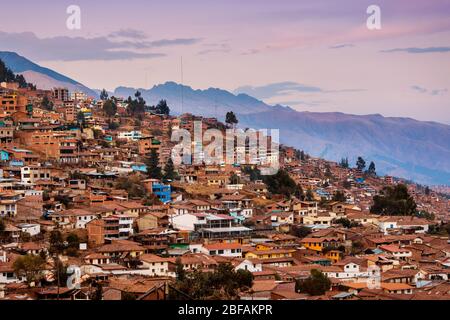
x=334 y=255
x=269 y=254
x=318 y=244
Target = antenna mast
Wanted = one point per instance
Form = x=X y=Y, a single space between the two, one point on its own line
x=215 y=107
x=182 y=86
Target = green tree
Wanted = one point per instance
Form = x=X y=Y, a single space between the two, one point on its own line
x=179 y=270
x=425 y=215
x=6 y=75
x=104 y=95
x=223 y=283
x=371 y=171
x=248 y=223
x=81 y=119
x=25 y=237
x=29 y=266
x=110 y=108
x=360 y=164
x=56 y=242
x=339 y=196
x=253 y=172
x=347 y=184
x=244 y=278
x=281 y=183
x=328 y=173
x=64 y=199
x=162 y=108
x=357 y=247
x=113 y=125
x=47 y=104
x=2 y=229
x=442 y=229
x=169 y=170
x=60 y=272
x=447 y=228
x=152 y=163
x=300 y=231
x=132 y=185
x=152 y=200
x=299 y=194
x=136 y=106
x=300 y=155
x=315 y=285
x=73 y=244
x=344 y=163
x=309 y=195
x=235 y=179
x=98 y=292
x=394 y=201
x=346 y=223
x=231 y=119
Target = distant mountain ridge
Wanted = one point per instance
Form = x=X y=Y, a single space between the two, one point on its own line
x=210 y=102
x=44 y=78
x=402 y=147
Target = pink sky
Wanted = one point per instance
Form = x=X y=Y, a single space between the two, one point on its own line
x=256 y=45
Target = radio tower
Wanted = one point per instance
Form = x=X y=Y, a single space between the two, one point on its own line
x=182 y=81
x=215 y=107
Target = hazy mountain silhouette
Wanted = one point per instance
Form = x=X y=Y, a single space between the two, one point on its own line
x=402 y=147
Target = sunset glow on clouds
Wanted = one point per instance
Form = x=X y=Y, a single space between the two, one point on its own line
x=275 y=50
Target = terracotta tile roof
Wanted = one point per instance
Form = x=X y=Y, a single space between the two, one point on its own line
x=121 y=246
x=264 y=285
x=154 y=258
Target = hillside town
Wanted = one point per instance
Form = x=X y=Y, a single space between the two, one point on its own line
x=93 y=207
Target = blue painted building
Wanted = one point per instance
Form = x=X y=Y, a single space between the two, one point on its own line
x=237 y=217
x=139 y=167
x=16 y=163
x=323 y=194
x=162 y=191
x=4 y=155
x=359 y=180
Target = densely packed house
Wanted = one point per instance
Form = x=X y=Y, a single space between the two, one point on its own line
x=85 y=187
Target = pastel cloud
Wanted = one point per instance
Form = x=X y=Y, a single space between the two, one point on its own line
x=419 y=50
x=128 y=33
x=64 y=48
x=285 y=88
x=276 y=89
x=433 y=92
x=341 y=46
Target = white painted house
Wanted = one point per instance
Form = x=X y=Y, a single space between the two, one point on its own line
x=31 y=228
x=157 y=265
x=252 y=265
x=397 y=252
x=223 y=249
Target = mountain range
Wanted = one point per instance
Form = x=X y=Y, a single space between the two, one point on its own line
x=44 y=78
x=402 y=147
